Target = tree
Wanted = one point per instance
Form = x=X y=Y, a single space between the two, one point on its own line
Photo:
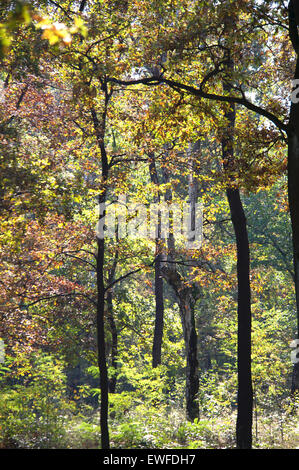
x=293 y=169
x=75 y=131
x=187 y=293
x=159 y=319
x=238 y=217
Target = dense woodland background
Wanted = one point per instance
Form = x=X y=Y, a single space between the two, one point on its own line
x=134 y=342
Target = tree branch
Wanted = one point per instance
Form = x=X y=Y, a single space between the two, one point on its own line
x=54 y=296
x=200 y=93
x=121 y=278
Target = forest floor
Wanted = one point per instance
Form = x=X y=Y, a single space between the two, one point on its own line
x=140 y=429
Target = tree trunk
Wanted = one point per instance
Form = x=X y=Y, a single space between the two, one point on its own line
x=187 y=304
x=159 y=298
x=159 y=318
x=186 y=301
x=192 y=339
x=245 y=391
x=114 y=347
x=186 y=297
x=293 y=194
x=102 y=345
x=99 y=128
x=110 y=316
x=293 y=172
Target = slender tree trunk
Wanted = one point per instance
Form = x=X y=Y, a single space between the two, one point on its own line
x=293 y=190
x=114 y=347
x=186 y=301
x=186 y=297
x=192 y=375
x=159 y=297
x=111 y=320
x=245 y=391
x=192 y=388
x=102 y=345
x=99 y=128
x=192 y=353
x=293 y=170
x=159 y=318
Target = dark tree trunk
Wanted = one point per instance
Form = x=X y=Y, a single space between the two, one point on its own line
x=245 y=391
x=99 y=128
x=114 y=346
x=159 y=319
x=293 y=171
x=159 y=297
x=192 y=375
x=192 y=389
x=110 y=315
x=102 y=345
x=186 y=297
x=293 y=194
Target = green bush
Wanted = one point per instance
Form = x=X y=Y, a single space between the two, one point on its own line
x=33 y=405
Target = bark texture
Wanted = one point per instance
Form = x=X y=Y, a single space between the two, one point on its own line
x=186 y=296
x=99 y=127
x=159 y=295
x=114 y=345
x=245 y=391
x=293 y=171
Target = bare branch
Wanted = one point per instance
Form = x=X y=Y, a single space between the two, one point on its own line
x=55 y=296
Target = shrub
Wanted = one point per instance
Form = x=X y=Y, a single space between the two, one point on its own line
x=33 y=405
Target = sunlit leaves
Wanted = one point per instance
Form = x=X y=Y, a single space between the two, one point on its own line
x=55 y=32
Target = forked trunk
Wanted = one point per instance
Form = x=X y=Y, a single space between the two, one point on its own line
x=186 y=298
x=186 y=301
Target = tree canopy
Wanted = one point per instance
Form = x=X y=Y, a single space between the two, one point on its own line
x=149 y=240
